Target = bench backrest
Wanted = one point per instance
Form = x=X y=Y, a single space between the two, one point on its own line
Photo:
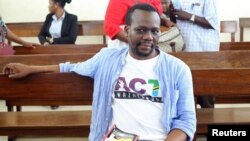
x=32 y=29
x=244 y=23
x=59 y=49
x=234 y=46
x=49 y=88
x=222 y=59
x=44 y=59
x=94 y=48
x=222 y=82
x=74 y=89
x=93 y=28
x=229 y=27
x=85 y=28
x=195 y=60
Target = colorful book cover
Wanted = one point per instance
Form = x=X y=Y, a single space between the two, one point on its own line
x=115 y=134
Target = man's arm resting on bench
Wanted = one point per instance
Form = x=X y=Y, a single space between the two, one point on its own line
x=17 y=70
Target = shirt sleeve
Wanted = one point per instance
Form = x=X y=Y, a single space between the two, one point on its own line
x=210 y=14
x=186 y=120
x=157 y=5
x=85 y=68
x=115 y=16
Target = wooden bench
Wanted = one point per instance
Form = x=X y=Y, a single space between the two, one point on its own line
x=244 y=23
x=234 y=46
x=52 y=88
x=196 y=60
x=93 y=28
x=32 y=29
x=229 y=27
x=92 y=48
x=68 y=88
x=85 y=28
x=44 y=59
x=59 y=49
x=204 y=60
x=222 y=59
x=224 y=83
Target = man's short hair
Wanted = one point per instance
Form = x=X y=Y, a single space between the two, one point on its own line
x=140 y=6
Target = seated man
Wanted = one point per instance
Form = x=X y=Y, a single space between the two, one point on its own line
x=140 y=89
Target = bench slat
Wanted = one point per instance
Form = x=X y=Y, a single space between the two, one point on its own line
x=62 y=123
x=222 y=82
x=58 y=49
x=232 y=116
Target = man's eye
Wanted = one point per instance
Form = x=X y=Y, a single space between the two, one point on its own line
x=141 y=31
x=155 y=31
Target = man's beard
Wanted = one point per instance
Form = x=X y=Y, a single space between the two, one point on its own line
x=144 y=54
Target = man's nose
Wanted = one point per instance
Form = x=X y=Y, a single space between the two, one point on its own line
x=148 y=36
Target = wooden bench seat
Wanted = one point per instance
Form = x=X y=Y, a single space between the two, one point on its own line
x=221 y=116
x=56 y=123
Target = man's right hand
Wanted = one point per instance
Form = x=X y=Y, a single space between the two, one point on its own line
x=17 y=70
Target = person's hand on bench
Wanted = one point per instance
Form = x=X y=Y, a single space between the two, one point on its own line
x=18 y=70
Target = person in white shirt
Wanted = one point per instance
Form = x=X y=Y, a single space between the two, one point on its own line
x=60 y=27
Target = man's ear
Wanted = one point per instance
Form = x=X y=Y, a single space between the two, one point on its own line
x=126 y=28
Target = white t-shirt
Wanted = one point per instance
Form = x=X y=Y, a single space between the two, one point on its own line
x=137 y=102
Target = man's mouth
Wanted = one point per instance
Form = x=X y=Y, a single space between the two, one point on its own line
x=145 y=45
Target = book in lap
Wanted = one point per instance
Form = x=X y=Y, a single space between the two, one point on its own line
x=115 y=134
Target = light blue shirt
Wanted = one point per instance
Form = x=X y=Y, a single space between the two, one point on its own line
x=174 y=77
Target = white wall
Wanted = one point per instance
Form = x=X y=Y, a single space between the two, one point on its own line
x=232 y=10
x=36 y=10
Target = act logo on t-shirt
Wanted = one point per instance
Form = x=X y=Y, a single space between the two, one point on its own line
x=138 y=88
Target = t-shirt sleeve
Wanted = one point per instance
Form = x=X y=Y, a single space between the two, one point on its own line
x=115 y=16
